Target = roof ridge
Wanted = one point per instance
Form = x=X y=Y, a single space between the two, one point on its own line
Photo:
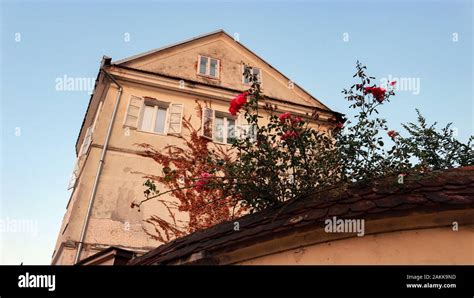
x=146 y=53
x=143 y=54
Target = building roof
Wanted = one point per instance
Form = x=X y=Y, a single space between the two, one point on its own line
x=106 y=61
x=384 y=198
x=123 y=62
x=114 y=255
x=137 y=56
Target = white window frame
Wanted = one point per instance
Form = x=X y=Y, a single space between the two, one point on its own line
x=156 y=104
x=203 y=119
x=240 y=128
x=259 y=75
x=226 y=128
x=208 y=67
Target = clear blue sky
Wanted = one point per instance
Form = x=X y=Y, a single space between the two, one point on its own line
x=303 y=39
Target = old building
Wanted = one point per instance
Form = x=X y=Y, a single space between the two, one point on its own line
x=142 y=99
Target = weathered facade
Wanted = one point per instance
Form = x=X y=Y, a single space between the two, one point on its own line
x=142 y=99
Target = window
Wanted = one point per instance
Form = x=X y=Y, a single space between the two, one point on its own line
x=207 y=122
x=208 y=66
x=74 y=176
x=255 y=71
x=87 y=141
x=245 y=130
x=153 y=118
x=151 y=115
x=221 y=127
x=224 y=128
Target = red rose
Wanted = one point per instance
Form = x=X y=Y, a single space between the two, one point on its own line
x=284 y=116
x=290 y=134
x=296 y=120
x=202 y=182
x=392 y=134
x=392 y=83
x=237 y=103
x=377 y=92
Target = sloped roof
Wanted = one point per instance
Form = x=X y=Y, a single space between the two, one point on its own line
x=126 y=61
x=119 y=256
x=137 y=56
x=432 y=192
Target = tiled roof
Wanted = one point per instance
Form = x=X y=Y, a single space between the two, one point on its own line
x=384 y=198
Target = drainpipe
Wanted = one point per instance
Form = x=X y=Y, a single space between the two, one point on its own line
x=105 y=61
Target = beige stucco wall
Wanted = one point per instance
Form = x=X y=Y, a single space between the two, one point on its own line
x=440 y=246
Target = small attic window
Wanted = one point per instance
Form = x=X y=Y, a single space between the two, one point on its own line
x=255 y=71
x=208 y=66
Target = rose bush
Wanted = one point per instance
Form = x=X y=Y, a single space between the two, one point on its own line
x=287 y=158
